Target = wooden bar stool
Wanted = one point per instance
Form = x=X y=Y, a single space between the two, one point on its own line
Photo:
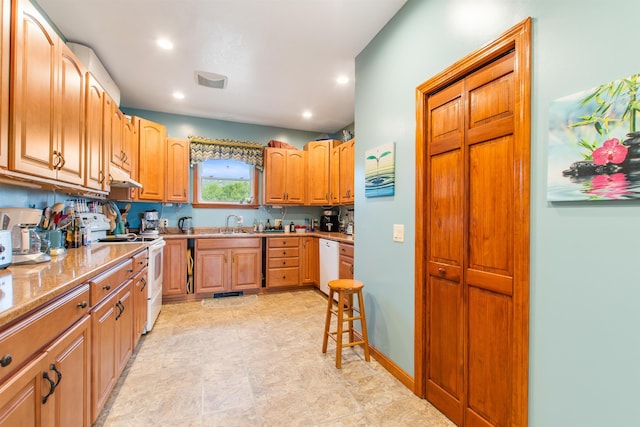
x=345 y=288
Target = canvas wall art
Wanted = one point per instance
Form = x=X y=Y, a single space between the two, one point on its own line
x=594 y=143
x=380 y=171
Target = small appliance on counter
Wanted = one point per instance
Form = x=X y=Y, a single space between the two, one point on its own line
x=184 y=224
x=329 y=221
x=149 y=223
x=26 y=244
x=349 y=229
x=5 y=248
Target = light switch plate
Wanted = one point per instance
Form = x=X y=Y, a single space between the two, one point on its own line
x=398 y=232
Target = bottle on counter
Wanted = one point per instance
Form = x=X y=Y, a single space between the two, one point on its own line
x=74 y=238
x=255 y=225
x=260 y=227
x=292 y=227
x=268 y=225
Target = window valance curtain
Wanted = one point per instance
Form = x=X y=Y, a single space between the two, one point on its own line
x=225 y=149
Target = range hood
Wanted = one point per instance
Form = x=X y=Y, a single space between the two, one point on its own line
x=121 y=179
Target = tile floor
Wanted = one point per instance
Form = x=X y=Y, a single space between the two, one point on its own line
x=256 y=361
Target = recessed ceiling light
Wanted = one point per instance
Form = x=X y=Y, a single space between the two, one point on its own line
x=165 y=44
x=307 y=114
x=343 y=80
x=178 y=95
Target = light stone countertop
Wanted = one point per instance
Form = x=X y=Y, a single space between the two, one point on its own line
x=208 y=233
x=26 y=287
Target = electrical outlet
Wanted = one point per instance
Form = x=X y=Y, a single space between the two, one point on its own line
x=163 y=222
x=240 y=219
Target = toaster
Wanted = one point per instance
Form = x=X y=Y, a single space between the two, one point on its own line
x=5 y=248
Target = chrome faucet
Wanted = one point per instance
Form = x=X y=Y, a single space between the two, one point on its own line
x=226 y=222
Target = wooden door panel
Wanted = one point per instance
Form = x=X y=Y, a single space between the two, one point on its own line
x=246 y=269
x=94 y=175
x=72 y=103
x=446 y=209
x=21 y=397
x=489 y=328
x=491 y=207
x=211 y=271
x=446 y=120
x=445 y=364
x=34 y=92
x=295 y=173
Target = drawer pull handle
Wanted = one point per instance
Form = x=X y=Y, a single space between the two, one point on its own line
x=144 y=284
x=52 y=386
x=284 y=253
x=284 y=262
x=6 y=360
x=54 y=368
x=441 y=271
x=106 y=287
x=82 y=304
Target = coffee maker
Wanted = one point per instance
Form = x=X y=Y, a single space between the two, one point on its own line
x=27 y=246
x=329 y=222
x=149 y=222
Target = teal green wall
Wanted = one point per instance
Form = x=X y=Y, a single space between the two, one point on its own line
x=584 y=345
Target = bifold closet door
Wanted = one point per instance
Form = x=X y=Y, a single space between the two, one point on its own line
x=472 y=176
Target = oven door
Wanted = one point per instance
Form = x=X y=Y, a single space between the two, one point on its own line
x=155 y=280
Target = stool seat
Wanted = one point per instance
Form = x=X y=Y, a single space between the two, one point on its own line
x=345 y=289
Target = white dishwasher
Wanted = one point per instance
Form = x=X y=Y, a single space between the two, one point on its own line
x=329 y=263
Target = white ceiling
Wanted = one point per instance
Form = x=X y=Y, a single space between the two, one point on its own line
x=281 y=56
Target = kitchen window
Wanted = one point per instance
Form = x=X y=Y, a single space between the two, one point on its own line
x=224 y=184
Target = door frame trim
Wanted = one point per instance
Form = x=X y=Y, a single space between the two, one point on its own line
x=518 y=38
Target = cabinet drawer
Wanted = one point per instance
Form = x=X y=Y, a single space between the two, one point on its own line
x=284 y=262
x=346 y=250
x=107 y=282
x=228 y=243
x=283 y=252
x=140 y=261
x=283 y=276
x=20 y=342
x=283 y=242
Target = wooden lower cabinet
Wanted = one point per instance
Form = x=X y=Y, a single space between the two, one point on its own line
x=309 y=260
x=227 y=265
x=112 y=343
x=52 y=387
x=345 y=269
x=174 y=285
x=70 y=356
x=283 y=261
x=141 y=305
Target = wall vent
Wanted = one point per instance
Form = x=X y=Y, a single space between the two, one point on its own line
x=213 y=80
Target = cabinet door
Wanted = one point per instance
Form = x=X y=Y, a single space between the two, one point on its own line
x=95 y=176
x=211 y=271
x=129 y=147
x=318 y=172
x=334 y=166
x=177 y=170
x=309 y=260
x=69 y=357
x=175 y=268
x=345 y=269
x=117 y=135
x=246 y=269
x=275 y=167
x=141 y=306
x=296 y=177
x=5 y=36
x=346 y=172
x=103 y=353
x=34 y=76
x=124 y=327
x=152 y=154
x=21 y=397
x=71 y=103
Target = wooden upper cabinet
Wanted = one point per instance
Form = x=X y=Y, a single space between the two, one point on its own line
x=319 y=172
x=346 y=172
x=5 y=37
x=97 y=163
x=177 y=170
x=130 y=146
x=152 y=155
x=71 y=108
x=118 y=155
x=334 y=166
x=284 y=176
